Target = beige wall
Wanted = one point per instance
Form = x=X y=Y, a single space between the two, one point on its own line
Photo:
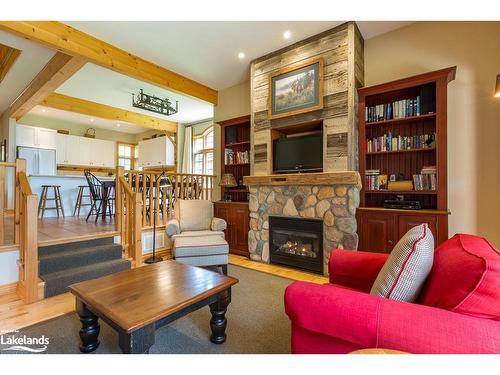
x=233 y=102
x=473 y=113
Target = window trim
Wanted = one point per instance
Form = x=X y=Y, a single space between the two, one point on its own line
x=132 y=158
x=203 y=151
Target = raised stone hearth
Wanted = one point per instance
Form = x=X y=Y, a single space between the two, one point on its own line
x=332 y=197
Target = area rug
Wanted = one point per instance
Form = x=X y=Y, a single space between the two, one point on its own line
x=257 y=324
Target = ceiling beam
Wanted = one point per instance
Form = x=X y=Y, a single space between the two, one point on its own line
x=73 y=42
x=85 y=107
x=56 y=72
x=8 y=57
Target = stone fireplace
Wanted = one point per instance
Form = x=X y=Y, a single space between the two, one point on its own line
x=296 y=242
x=330 y=197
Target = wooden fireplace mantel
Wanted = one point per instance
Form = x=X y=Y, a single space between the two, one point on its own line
x=329 y=178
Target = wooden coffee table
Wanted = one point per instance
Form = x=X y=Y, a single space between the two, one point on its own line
x=136 y=302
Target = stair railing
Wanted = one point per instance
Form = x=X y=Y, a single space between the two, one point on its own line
x=129 y=218
x=26 y=233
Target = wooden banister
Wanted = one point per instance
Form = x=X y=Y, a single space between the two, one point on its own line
x=26 y=234
x=142 y=196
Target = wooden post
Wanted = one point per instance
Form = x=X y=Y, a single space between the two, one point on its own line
x=20 y=167
x=2 y=203
x=119 y=199
x=137 y=230
x=30 y=249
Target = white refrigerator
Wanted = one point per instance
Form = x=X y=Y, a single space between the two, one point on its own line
x=39 y=161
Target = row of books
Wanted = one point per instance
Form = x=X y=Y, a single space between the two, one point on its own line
x=236 y=157
x=427 y=179
x=388 y=142
x=395 y=110
x=374 y=180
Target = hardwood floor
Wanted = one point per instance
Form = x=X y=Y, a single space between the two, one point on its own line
x=53 y=228
x=14 y=314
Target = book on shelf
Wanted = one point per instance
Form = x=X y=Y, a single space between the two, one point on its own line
x=389 y=142
x=236 y=157
x=427 y=179
x=395 y=110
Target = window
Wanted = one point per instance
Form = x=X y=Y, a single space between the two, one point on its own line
x=203 y=152
x=127 y=155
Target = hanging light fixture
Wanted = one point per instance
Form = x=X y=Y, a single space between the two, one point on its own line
x=497 y=90
x=154 y=104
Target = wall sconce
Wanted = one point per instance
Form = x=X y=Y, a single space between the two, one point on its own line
x=497 y=90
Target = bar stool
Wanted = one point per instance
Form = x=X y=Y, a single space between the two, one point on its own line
x=80 y=199
x=42 y=205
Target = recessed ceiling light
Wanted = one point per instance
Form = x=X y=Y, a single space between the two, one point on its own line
x=91 y=120
x=287 y=34
x=118 y=125
x=241 y=55
x=44 y=110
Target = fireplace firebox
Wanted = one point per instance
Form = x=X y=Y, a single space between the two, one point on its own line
x=296 y=242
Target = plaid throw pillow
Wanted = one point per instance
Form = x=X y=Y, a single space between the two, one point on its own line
x=407 y=267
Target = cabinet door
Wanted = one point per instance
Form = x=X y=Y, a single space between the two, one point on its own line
x=169 y=152
x=86 y=151
x=105 y=153
x=239 y=228
x=73 y=150
x=377 y=231
x=46 y=138
x=222 y=211
x=406 y=222
x=25 y=136
x=145 y=152
x=61 y=148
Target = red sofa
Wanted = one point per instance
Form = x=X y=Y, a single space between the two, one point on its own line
x=342 y=316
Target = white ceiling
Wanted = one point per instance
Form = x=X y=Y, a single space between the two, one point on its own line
x=105 y=86
x=89 y=121
x=207 y=51
x=32 y=59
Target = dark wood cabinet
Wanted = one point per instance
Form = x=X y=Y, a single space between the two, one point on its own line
x=380 y=229
x=379 y=232
x=237 y=217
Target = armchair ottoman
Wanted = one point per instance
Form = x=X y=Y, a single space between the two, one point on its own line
x=198 y=237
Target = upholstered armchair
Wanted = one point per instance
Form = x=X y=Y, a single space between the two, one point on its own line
x=194 y=218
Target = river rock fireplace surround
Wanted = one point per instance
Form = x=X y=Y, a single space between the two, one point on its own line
x=330 y=197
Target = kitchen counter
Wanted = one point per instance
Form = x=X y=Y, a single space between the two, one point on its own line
x=69 y=191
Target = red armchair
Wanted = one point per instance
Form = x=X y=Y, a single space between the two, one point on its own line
x=342 y=317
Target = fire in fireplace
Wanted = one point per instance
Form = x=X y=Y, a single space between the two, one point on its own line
x=296 y=242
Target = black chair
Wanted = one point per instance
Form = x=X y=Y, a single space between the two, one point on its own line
x=101 y=194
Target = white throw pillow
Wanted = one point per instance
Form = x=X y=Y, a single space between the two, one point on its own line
x=407 y=267
x=195 y=214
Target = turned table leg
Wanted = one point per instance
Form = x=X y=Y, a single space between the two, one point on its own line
x=89 y=332
x=218 y=323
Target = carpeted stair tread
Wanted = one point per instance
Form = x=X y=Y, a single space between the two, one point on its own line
x=77 y=257
x=53 y=249
x=57 y=282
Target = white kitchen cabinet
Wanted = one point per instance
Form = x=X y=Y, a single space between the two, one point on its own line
x=97 y=152
x=156 y=152
x=31 y=136
x=68 y=149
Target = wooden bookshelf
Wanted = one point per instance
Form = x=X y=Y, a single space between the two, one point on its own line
x=379 y=229
x=235 y=137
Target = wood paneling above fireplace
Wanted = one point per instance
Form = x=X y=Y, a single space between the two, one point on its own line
x=341 y=49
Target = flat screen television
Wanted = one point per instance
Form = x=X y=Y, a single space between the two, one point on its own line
x=300 y=153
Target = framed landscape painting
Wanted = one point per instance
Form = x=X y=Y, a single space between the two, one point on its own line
x=296 y=89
